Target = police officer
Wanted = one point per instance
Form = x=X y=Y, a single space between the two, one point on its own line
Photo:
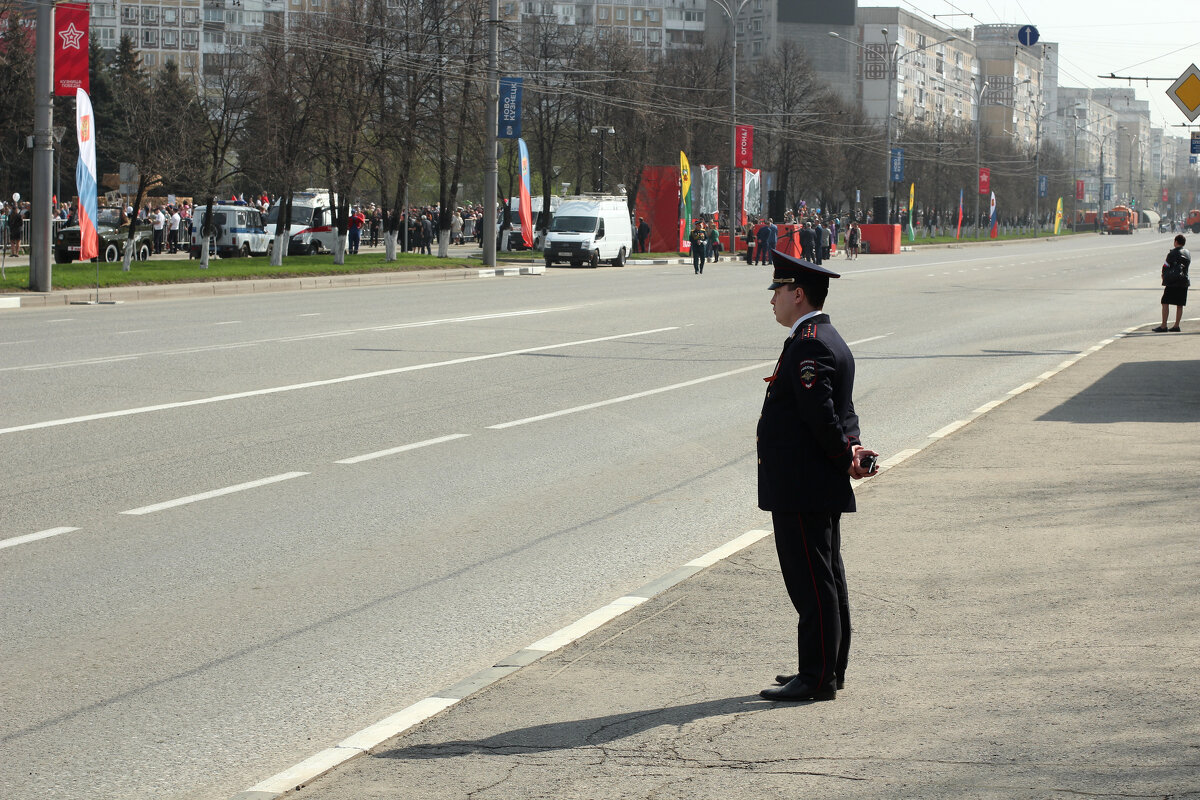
x=808 y=450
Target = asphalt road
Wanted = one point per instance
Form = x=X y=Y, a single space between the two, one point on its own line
x=235 y=530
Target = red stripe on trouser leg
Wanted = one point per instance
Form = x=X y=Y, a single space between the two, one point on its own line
x=817 y=594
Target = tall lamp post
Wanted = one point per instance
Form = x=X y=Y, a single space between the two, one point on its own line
x=603 y=131
x=731 y=9
x=893 y=58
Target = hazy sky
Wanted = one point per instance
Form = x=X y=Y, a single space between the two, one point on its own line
x=1151 y=38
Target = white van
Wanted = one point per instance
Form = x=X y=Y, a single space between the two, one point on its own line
x=541 y=222
x=312 y=230
x=236 y=231
x=589 y=229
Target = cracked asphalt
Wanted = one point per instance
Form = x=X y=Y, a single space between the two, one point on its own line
x=1026 y=613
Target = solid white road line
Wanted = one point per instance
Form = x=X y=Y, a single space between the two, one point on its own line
x=401 y=449
x=635 y=396
x=305 y=336
x=648 y=392
x=241 y=487
x=33 y=537
x=327 y=382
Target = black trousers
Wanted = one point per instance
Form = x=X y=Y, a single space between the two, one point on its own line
x=810 y=557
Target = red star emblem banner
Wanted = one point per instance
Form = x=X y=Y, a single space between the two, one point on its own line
x=70 y=48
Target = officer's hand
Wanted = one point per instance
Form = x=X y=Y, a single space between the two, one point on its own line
x=856 y=470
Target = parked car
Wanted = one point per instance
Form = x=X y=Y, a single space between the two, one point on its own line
x=112 y=236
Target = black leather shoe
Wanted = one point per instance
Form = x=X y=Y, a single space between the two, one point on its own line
x=795 y=690
x=782 y=679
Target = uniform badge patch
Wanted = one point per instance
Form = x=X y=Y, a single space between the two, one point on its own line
x=808 y=373
x=809 y=331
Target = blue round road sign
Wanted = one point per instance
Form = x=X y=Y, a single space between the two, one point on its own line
x=1028 y=35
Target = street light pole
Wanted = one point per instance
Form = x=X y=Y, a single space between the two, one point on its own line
x=732 y=8
x=603 y=131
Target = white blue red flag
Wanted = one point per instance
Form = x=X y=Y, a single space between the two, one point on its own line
x=85 y=176
x=525 y=210
x=958 y=230
x=994 y=224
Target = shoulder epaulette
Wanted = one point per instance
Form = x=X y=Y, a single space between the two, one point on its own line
x=808 y=331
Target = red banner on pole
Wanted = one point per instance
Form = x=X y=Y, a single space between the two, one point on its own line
x=1078 y=190
x=70 y=48
x=1164 y=199
x=985 y=180
x=745 y=145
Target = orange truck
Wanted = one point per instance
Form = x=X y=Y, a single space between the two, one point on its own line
x=1193 y=220
x=1120 y=219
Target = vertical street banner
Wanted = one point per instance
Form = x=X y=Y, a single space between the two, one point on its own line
x=685 y=200
x=752 y=194
x=1058 y=216
x=1078 y=190
x=509 y=126
x=912 y=194
x=70 y=48
x=745 y=145
x=994 y=221
x=525 y=207
x=85 y=176
x=709 y=190
x=958 y=229
x=985 y=180
x=1043 y=185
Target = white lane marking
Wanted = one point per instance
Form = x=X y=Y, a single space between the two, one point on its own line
x=312 y=384
x=648 y=392
x=986 y=407
x=727 y=549
x=625 y=398
x=21 y=341
x=585 y=625
x=65 y=319
x=949 y=429
x=122 y=333
x=401 y=449
x=388 y=727
x=231 y=322
x=307 y=336
x=241 y=487
x=88 y=362
x=315 y=314
x=33 y=537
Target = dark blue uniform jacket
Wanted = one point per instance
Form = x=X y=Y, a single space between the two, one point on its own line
x=808 y=427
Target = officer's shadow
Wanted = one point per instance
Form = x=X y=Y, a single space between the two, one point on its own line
x=593 y=732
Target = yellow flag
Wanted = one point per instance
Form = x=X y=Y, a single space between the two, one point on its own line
x=685 y=188
x=1058 y=216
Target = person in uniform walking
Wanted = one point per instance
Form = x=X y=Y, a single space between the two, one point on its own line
x=808 y=450
x=698 y=244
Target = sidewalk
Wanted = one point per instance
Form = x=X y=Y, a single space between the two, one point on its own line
x=1026 y=607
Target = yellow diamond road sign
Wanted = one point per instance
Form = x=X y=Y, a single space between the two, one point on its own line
x=1185 y=92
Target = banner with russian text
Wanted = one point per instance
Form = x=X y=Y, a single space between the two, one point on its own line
x=744 y=138
x=525 y=208
x=85 y=176
x=751 y=193
x=509 y=119
x=1079 y=190
x=985 y=180
x=70 y=48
